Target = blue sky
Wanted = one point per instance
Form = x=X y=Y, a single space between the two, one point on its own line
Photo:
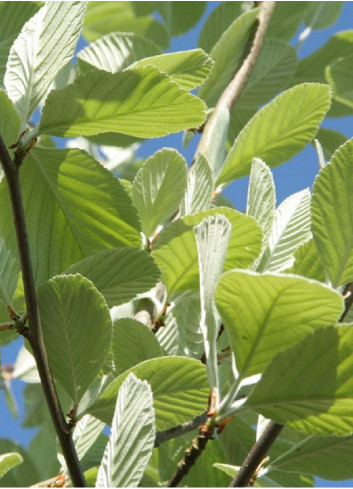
x=290 y=177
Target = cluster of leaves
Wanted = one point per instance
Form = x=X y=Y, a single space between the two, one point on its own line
x=103 y=247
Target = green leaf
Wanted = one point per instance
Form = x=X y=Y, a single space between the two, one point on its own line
x=119 y=274
x=87 y=430
x=179 y=17
x=176 y=254
x=104 y=17
x=317 y=395
x=212 y=239
x=199 y=186
x=267 y=313
x=320 y=15
x=9 y=274
x=307 y=262
x=9 y=460
x=139 y=102
x=79 y=209
x=133 y=343
x=286 y=20
x=10 y=122
x=12 y=17
x=227 y=55
x=115 y=51
x=131 y=438
x=272 y=73
x=261 y=200
x=46 y=43
x=326 y=457
x=77 y=339
x=179 y=385
x=339 y=75
x=279 y=130
x=332 y=225
x=218 y=22
x=187 y=68
x=290 y=229
x=158 y=188
x=330 y=140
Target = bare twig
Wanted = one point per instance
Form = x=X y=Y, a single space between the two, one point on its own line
x=348 y=300
x=34 y=332
x=163 y=436
x=236 y=86
x=256 y=455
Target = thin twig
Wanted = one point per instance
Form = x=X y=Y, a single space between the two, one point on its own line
x=256 y=455
x=34 y=332
x=163 y=436
x=348 y=300
x=233 y=91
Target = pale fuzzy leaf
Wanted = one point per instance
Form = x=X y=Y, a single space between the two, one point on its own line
x=332 y=224
x=212 y=239
x=279 y=130
x=140 y=102
x=179 y=385
x=116 y=51
x=12 y=17
x=9 y=460
x=77 y=339
x=261 y=200
x=290 y=229
x=86 y=433
x=266 y=313
x=199 y=186
x=46 y=43
x=176 y=255
x=227 y=55
x=158 y=188
x=119 y=274
x=317 y=395
x=187 y=68
x=131 y=438
x=230 y=470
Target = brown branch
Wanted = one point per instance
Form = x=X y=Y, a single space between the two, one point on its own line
x=198 y=445
x=256 y=455
x=233 y=91
x=34 y=332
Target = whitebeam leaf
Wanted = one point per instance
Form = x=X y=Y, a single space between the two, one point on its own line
x=316 y=397
x=77 y=331
x=212 y=239
x=266 y=313
x=261 y=200
x=115 y=52
x=131 y=438
x=46 y=43
x=140 y=102
x=290 y=229
x=279 y=130
x=199 y=186
x=9 y=460
x=158 y=188
x=332 y=223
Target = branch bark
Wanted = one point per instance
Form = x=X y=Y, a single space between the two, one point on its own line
x=34 y=333
x=256 y=455
x=233 y=91
x=163 y=436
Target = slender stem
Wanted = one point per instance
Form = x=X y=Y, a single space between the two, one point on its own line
x=163 y=436
x=256 y=455
x=348 y=300
x=34 y=333
x=233 y=91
